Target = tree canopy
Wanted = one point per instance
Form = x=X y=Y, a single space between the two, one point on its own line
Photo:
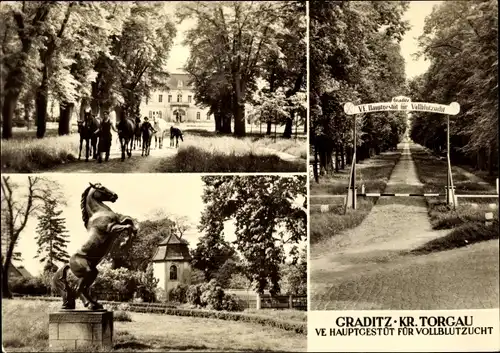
x=354 y=57
x=103 y=54
x=268 y=212
x=460 y=40
x=234 y=43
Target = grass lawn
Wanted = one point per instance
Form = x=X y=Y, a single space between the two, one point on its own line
x=201 y=151
x=26 y=329
x=470 y=212
x=373 y=173
x=204 y=151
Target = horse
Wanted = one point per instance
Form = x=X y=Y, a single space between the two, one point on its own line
x=160 y=126
x=88 y=129
x=147 y=136
x=126 y=128
x=175 y=133
x=103 y=226
x=137 y=133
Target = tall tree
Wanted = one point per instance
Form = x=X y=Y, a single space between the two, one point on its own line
x=268 y=212
x=354 y=57
x=28 y=20
x=17 y=207
x=460 y=40
x=52 y=233
x=238 y=33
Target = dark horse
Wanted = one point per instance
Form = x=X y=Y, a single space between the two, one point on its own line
x=103 y=225
x=126 y=129
x=88 y=130
x=137 y=133
x=175 y=133
x=147 y=131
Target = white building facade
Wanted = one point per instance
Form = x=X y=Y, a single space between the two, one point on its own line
x=175 y=105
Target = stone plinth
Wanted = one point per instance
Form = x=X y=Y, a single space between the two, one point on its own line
x=75 y=329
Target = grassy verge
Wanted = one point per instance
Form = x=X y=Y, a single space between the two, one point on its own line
x=28 y=155
x=26 y=329
x=374 y=174
x=463 y=235
x=432 y=173
x=205 y=151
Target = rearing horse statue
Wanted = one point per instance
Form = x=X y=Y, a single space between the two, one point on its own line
x=103 y=226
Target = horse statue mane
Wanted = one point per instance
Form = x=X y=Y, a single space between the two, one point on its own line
x=83 y=205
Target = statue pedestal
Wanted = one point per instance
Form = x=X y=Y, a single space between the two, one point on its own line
x=75 y=329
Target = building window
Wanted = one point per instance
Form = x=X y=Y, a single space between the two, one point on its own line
x=189 y=99
x=159 y=115
x=198 y=116
x=179 y=83
x=150 y=114
x=208 y=116
x=169 y=98
x=160 y=98
x=179 y=98
x=173 y=273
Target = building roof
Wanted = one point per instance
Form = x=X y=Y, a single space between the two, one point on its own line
x=173 y=239
x=173 y=81
x=172 y=248
x=22 y=271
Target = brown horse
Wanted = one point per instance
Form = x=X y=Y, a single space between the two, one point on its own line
x=126 y=130
x=103 y=226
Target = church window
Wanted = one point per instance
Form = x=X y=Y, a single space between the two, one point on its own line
x=179 y=98
x=173 y=273
x=198 y=116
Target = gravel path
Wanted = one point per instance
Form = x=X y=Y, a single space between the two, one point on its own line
x=134 y=164
x=365 y=267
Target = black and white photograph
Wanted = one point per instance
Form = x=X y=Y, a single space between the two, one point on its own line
x=153 y=87
x=404 y=156
x=199 y=263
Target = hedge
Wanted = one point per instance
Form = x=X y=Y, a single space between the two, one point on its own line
x=162 y=308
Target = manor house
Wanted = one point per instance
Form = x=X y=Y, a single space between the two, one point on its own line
x=177 y=104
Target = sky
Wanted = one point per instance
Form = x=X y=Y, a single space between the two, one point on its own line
x=179 y=53
x=416 y=14
x=140 y=196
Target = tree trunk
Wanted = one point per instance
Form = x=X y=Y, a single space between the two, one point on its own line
x=239 y=105
x=288 y=126
x=9 y=106
x=65 y=113
x=269 y=127
x=315 y=166
x=41 y=104
x=342 y=157
x=5 y=270
x=218 y=122
x=226 y=123
x=336 y=160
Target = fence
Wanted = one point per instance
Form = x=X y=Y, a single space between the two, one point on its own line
x=297 y=302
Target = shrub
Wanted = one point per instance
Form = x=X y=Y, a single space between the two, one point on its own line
x=193 y=294
x=230 y=302
x=212 y=295
x=178 y=293
x=29 y=286
x=124 y=285
x=122 y=316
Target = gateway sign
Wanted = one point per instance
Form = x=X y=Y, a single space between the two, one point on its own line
x=402 y=104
